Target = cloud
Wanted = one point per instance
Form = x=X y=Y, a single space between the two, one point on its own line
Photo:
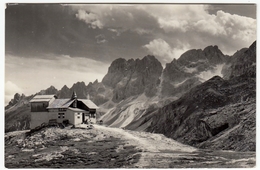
x=89 y=18
x=142 y=31
x=177 y=17
x=117 y=17
x=10 y=90
x=117 y=31
x=161 y=48
x=72 y=30
x=225 y=24
x=100 y=39
x=194 y=24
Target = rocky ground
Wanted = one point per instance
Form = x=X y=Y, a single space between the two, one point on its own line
x=104 y=147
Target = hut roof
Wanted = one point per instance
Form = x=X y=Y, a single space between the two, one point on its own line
x=42 y=98
x=89 y=103
x=60 y=103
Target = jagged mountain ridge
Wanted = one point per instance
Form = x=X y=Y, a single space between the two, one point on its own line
x=189 y=67
x=178 y=77
x=133 y=77
x=133 y=90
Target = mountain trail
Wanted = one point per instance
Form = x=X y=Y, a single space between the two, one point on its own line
x=159 y=151
x=148 y=142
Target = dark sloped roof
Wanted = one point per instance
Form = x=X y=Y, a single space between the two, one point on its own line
x=60 y=103
x=88 y=103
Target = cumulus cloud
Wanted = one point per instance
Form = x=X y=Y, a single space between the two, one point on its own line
x=117 y=17
x=89 y=18
x=177 y=17
x=225 y=24
x=195 y=18
x=190 y=24
x=161 y=48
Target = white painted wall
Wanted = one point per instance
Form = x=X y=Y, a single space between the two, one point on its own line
x=77 y=118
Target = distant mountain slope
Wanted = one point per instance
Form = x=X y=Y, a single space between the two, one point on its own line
x=218 y=114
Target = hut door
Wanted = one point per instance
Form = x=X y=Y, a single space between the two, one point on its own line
x=83 y=117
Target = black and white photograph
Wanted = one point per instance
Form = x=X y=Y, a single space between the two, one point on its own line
x=129 y=85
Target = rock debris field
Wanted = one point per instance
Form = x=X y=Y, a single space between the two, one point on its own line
x=105 y=147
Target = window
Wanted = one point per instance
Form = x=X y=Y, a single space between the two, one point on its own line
x=62 y=109
x=78 y=117
x=92 y=116
x=61 y=115
x=78 y=113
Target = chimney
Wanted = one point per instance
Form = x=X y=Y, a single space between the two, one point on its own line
x=74 y=97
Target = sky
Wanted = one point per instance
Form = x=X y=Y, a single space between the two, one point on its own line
x=61 y=44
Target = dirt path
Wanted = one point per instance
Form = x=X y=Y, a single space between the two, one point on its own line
x=161 y=152
x=148 y=142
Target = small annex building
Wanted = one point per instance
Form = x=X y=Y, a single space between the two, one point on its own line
x=48 y=107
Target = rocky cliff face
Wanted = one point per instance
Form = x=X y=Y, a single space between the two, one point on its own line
x=192 y=68
x=217 y=114
x=245 y=63
x=133 y=77
x=17 y=98
x=210 y=112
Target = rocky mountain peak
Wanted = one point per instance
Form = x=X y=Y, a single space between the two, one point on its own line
x=79 y=85
x=211 y=49
x=214 y=55
x=191 y=56
x=49 y=90
x=17 y=98
x=192 y=65
x=133 y=77
x=117 y=65
x=149 y=57
x=96 y=81
x=65 y=87
x=244 y=63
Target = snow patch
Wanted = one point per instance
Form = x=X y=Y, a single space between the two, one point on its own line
x=159 y=88
x=190 y=70
x=216 y=71
x=179 y=84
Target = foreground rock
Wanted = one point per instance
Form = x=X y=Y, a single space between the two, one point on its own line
x=67 y=148
x=104 y=147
